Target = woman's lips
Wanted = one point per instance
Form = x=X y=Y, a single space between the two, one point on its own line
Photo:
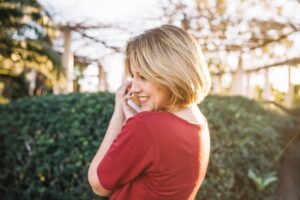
x=143 y=99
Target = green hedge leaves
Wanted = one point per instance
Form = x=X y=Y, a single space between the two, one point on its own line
x=47 y=144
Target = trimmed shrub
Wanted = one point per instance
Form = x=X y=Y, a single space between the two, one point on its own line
x=48 y=142
x=245 y=149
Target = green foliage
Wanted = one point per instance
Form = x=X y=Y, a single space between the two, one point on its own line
x=26 y=37
x=296 y=95
x=262 y=182
x=46 y=144
x=279 y=96
x=244 y=136
x=17 y=86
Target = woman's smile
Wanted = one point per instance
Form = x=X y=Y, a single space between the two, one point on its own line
x=143 y=99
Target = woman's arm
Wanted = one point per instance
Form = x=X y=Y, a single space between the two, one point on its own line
x=117 y=121
x=113 y=130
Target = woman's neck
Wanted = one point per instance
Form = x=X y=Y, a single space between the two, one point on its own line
x=191 y=114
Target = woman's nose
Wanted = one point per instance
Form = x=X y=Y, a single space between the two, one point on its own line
x=135 y=87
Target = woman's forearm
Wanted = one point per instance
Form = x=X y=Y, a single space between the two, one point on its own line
x=113 y=130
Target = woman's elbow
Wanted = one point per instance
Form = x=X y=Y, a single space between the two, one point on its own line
x=96 y=186
x=100 y=193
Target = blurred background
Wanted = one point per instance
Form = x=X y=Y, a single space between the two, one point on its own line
x=252 y=47
x=62 y=60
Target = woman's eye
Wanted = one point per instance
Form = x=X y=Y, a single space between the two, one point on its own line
x=143 y=78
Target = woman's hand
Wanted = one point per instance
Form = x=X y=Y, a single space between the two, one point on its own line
x=128 y=110
x=122 y=109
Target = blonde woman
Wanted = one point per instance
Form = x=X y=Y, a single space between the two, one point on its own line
x=161 y=152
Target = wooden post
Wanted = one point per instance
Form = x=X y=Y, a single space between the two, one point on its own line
x=103 y=85
x=31 y=77
x=237 y=79
x=267 y=89
x=249 y=91
x=216 y=84
x=55 y=88
x=290 y=95
x=68 y=60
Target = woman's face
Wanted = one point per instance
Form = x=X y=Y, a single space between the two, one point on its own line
x=151 y=96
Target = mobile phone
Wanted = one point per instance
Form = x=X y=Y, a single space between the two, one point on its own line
x=134 y=106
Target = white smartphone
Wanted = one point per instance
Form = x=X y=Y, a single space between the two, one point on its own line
x=134 y=106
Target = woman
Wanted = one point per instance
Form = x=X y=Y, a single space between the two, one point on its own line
x=161 y=152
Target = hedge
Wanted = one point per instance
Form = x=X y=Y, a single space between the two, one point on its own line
x=46 y=144
x=245 y=138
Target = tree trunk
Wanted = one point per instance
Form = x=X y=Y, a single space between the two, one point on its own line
x=289 y=176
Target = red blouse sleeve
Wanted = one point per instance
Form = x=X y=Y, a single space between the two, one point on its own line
x=129 y=156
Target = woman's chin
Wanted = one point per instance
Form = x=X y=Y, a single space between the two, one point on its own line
x=149 y=109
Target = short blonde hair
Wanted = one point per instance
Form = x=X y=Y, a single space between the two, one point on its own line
x=171 y=58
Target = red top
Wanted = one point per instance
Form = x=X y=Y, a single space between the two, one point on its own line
x=157 y=156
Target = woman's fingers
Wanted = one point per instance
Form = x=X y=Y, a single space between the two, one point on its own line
x=124 y=89
x=122 y=95
x=128 y=111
